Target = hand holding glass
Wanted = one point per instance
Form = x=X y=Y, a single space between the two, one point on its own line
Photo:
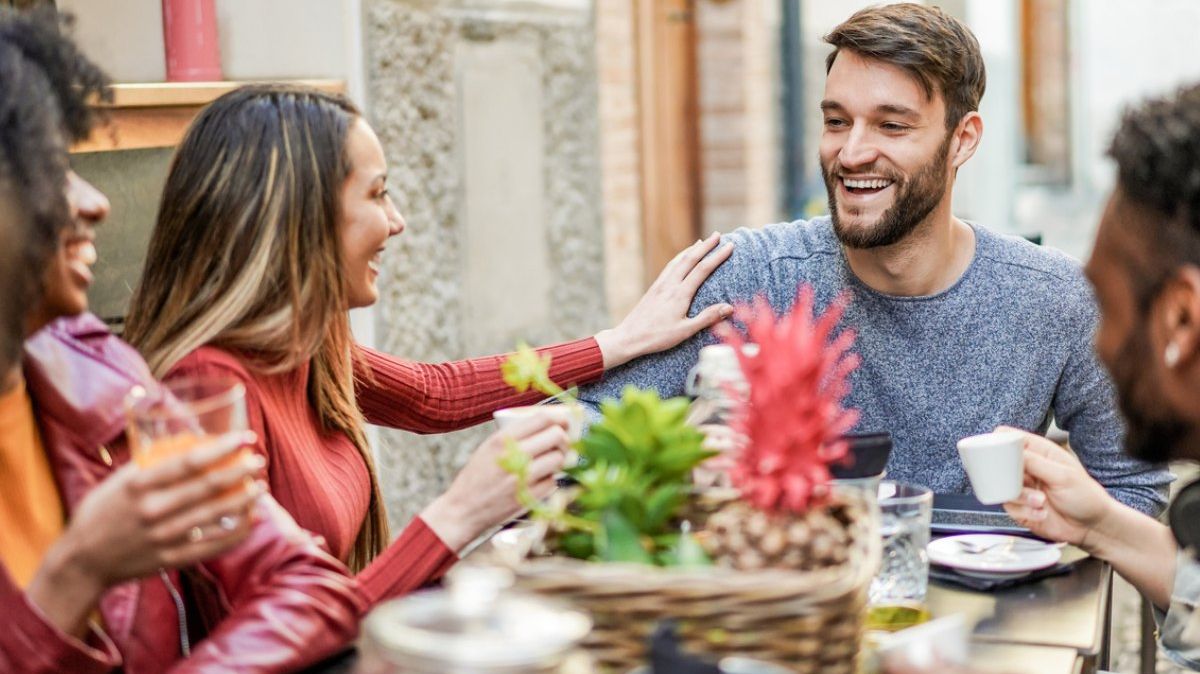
x=175 y=418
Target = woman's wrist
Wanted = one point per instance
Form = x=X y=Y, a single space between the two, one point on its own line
x=615 y=347
x=66 y=588
x=451 y=522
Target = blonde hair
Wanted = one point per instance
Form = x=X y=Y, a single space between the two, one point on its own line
x=245 y=256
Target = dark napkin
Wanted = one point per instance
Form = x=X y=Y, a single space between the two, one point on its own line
x=945 y=574
x=666 y=657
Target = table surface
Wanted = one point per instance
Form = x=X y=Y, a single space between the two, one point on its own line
x=1049 y=626
x=1019 y=659
x=1065 y=611
x=986 y=657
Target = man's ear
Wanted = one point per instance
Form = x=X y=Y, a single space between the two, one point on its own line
x=966 y=139
x=1178 y=312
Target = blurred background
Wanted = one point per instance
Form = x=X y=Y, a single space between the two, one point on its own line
x=551 y=155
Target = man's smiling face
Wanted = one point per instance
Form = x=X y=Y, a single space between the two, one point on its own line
x=884 y=151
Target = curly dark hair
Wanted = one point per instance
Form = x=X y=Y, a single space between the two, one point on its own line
x=1157 y=150
x=46 y=90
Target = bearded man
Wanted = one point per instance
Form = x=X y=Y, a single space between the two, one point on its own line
x=960 y=329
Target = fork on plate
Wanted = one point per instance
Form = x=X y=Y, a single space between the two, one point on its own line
x=1008 y=545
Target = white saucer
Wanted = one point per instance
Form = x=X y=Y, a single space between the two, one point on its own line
x=1000 y=561
x=992 y=576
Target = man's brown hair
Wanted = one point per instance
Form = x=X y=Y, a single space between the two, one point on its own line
x=934 y=47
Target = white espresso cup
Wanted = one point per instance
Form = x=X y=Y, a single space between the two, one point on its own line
x=995 y=465
x=507 y=416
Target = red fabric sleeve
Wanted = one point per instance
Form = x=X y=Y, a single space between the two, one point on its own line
x=289 y=603
x=436 y=398
x=30 y=644
x=416 y=558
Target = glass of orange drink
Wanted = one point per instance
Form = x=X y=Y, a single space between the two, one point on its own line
x=173 y=417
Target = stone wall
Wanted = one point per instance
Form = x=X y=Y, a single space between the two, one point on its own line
x=454 y=194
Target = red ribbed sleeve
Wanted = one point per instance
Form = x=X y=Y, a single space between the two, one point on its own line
x=428 y=398
x=417 y=557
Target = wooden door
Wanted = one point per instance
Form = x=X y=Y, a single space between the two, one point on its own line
x=667 y=85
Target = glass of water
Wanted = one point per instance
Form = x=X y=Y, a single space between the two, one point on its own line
x=904 y=515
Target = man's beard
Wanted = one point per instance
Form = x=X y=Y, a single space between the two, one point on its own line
x=916 y=199
x=1153 y=436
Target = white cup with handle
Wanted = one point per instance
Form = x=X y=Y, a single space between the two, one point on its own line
x=509 y=415
x=995 y=465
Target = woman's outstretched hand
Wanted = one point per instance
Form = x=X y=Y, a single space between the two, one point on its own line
x=660 y=319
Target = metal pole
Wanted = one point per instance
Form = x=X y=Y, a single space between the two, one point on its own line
x=792 y=71
x=1148 y=648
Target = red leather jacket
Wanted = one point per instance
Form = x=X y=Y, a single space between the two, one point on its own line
x=276 y=603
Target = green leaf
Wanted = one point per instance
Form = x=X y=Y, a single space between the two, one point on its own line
x=578 y=544
x=632 y=506
x=662 y=504
x=526 y=369
x=682 y=550
x=601 y=444
x=689 y=552
x=619 y=540
x=678 y=461
x=673 y=412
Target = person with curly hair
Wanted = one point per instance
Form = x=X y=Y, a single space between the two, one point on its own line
x=186 y=565
x=1145 y=268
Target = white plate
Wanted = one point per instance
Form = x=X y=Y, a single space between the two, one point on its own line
x=992 y=575
x=1001 y=561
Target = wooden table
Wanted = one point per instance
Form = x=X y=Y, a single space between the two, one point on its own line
x=1067 y=613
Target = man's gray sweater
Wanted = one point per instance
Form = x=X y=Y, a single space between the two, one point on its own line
x=1009 y=343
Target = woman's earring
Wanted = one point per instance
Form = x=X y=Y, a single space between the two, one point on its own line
x=1171 y=355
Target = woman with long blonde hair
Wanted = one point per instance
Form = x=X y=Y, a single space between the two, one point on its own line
x=271 y=226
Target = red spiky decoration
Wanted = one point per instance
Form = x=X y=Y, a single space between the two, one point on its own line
x=794 y=419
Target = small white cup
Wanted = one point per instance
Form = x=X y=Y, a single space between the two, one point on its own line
x=509 y=415
x=994 y=464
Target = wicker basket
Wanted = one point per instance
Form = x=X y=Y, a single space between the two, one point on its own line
x=808 y=621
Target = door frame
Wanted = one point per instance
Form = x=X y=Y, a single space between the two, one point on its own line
x=668 y=94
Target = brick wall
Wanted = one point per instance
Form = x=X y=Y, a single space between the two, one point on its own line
x=620 y=154
x=740 y=139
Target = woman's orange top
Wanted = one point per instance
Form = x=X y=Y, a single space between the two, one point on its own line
x=31 y=511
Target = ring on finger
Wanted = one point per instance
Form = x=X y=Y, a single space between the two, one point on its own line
x=227 y=522
x=195 y=534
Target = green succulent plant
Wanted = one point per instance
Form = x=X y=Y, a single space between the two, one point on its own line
x=632 y=478
x=634 y=474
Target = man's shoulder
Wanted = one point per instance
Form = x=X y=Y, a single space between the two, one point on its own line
x=1037 y=276
x=753 y=268
x=1023 y=257
x=1019 y=257
x=797 y=239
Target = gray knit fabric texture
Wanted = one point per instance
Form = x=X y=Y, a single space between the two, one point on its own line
x=1010 y=343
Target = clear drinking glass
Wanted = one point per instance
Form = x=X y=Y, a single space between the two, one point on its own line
x=905 y=512
x=171 y=418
